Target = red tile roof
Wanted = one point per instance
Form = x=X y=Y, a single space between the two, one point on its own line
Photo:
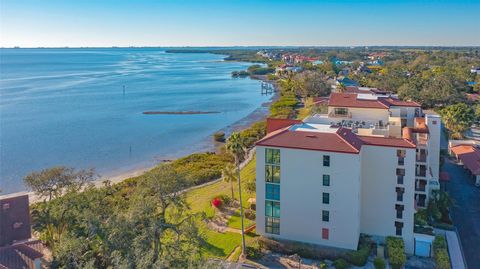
x=470 y=157
x=343 y=141
x=351 y=100
x=397 y=102
x=276 y=124
x=387 y=142
x=22 y=255
x=308 y=140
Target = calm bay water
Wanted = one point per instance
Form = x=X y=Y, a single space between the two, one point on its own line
x=67 y=107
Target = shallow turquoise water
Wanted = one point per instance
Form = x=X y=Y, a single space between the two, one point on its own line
x=67 y=107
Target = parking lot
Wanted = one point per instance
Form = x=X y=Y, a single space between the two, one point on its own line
x=466 y=211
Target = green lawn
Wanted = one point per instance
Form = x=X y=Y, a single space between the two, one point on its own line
x=220 y=244
x=304 y=112
x=236 y=222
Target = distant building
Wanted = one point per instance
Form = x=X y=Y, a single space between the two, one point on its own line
x=469 y=156
x=17 y=250
x=341 y=62
x=475 y=70
x=376 y=55
x=347 y=82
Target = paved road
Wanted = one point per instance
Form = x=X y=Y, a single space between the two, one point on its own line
x=466 y=212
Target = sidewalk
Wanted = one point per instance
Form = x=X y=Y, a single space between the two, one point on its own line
x=454 y=249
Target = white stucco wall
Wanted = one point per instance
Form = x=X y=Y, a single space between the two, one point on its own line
x=301 y=197
x=433 y=145
x=379 y=197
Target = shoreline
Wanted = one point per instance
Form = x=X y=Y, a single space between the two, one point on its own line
x=258 y=114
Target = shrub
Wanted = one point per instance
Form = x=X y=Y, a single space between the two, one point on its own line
x=304 y=250
x=250 y=214
x=254 y=133
x=359 y=257
x=396 y=252
x=199 y=168
x=219 y=136
x=442 y=261
x=226 y=200
x=340 y=264
x=379 y=263
x=439 y=242
x=217 y=203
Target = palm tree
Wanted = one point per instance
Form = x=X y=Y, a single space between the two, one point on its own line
x=236 y=146
x=341 y=88
x=228 y=174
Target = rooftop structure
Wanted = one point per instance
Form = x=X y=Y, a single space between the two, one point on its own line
x=16 y=248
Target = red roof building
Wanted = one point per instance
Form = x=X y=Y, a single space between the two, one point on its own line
x=282 y=134
x=355 y=100
x=469 y=155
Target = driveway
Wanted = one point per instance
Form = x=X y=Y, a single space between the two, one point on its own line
x=465 y=212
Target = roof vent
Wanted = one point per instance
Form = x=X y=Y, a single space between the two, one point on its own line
x=311 y=136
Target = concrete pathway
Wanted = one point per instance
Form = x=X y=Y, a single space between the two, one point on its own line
x=454 y=250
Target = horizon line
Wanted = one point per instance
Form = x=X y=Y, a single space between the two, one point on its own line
x=246 y=46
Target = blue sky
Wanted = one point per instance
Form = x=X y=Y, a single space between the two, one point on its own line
x=56 y=23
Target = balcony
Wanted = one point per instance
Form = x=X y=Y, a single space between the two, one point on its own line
x=421 y=171
x=421 y=200
x=421 y=158
x=420 y=185
x=347 y=115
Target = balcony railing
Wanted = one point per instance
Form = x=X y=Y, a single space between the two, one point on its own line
x=422 y=158
x=420 y=188
x=340 y=115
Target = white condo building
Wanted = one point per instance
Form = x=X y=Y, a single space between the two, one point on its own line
x=365 y=167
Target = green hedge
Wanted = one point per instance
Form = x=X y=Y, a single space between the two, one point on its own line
x=359 y=257
x=442 y=260
x=379 y=263
x=396 y=252
x=340 y=264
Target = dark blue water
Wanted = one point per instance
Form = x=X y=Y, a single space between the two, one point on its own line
x=67 y=107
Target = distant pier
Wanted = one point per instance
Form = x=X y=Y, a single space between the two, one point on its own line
x=267 y=88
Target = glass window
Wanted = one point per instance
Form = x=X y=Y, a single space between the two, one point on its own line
x=326 y=160
x=272 y=191
x=326 y=198
x=398 y=228
x=325 y=233
x=325 y=215
x=272 y=156
x=399 y=214
x=326 y=180
x=272 y=225
x=400 y=192
x=341 y=111
x=400 y=172
x=272 y=173
x=272 y=209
